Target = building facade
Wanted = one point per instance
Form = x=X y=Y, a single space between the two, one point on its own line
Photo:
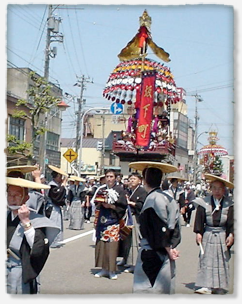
x=103 y=128
x=18 y=83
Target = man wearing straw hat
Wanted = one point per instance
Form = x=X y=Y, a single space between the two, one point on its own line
x=29 y=236
x=76 y=199
x=159 y=226
x=176 y=191
x=214 y=228
x=56 y=197
x=36 y=196
x=188 y=208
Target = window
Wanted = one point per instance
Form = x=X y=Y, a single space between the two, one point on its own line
x=52 y=142
x=111 y=159
x=16 y=127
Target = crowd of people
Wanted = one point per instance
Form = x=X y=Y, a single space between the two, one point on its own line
x=137 y=221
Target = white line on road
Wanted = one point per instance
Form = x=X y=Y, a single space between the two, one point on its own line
x=76 y=237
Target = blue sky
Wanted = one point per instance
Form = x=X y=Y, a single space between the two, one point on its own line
x=199 y=39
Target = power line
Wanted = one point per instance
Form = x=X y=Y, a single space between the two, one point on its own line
x=27 y=21
x=41 y=35
x=80 y=40
x=73 y=42
x=26 y=11
x=42 y=22
x=29 y=63
x=66 y=51
x=205 y=70
x=210 y=89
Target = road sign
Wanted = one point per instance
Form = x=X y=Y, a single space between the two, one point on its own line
x=116 y=108
x=70 y=155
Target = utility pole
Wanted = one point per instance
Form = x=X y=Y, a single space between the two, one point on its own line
x=198 y=98
x=47 y=45
x=103 y=144
x=80 y=83
x=52 y=35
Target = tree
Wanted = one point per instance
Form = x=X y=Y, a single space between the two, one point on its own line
x=41 y=102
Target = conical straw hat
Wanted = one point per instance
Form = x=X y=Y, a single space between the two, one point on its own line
x=179 y=178
x=23 y=169
x=24 y=183
x=212 y=178
x=141 y=165
x=58 y=170
x=77 y=178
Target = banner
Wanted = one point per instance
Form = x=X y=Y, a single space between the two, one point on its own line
x=146 y=109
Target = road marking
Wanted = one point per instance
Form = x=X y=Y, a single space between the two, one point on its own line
x=76 y=237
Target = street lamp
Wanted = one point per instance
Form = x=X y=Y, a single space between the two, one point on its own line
x=198 y=98
x=81 y=132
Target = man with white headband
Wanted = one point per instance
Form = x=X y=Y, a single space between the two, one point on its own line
x=29 y=236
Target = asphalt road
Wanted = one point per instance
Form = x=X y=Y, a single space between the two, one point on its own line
x=70 y=269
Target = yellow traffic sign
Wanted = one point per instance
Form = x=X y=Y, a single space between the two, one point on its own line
x=70 y=155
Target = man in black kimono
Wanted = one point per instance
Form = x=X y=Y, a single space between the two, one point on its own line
x=189 y=196
x=29 y=236
x=135 y=201
x=56 y=197
x=92 y=187
x=176 y=191
x=36 y=198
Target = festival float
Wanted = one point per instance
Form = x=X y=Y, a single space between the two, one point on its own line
x=147 y=89
x=210 y=155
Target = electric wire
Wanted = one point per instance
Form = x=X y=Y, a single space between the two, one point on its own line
x=42 y=24
x=27 y=21
x=80 y=40
x=27 y=12
x=73 y=43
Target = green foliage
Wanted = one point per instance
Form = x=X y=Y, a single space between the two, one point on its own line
x=21 y=102
x=19 y=147
x=217 y=166
x=20 y=114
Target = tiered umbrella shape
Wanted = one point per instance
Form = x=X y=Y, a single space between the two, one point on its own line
x=126 y=79
x=212 y=147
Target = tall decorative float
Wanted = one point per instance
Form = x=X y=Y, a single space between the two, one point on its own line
x=210 y=155
x=147 y=89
